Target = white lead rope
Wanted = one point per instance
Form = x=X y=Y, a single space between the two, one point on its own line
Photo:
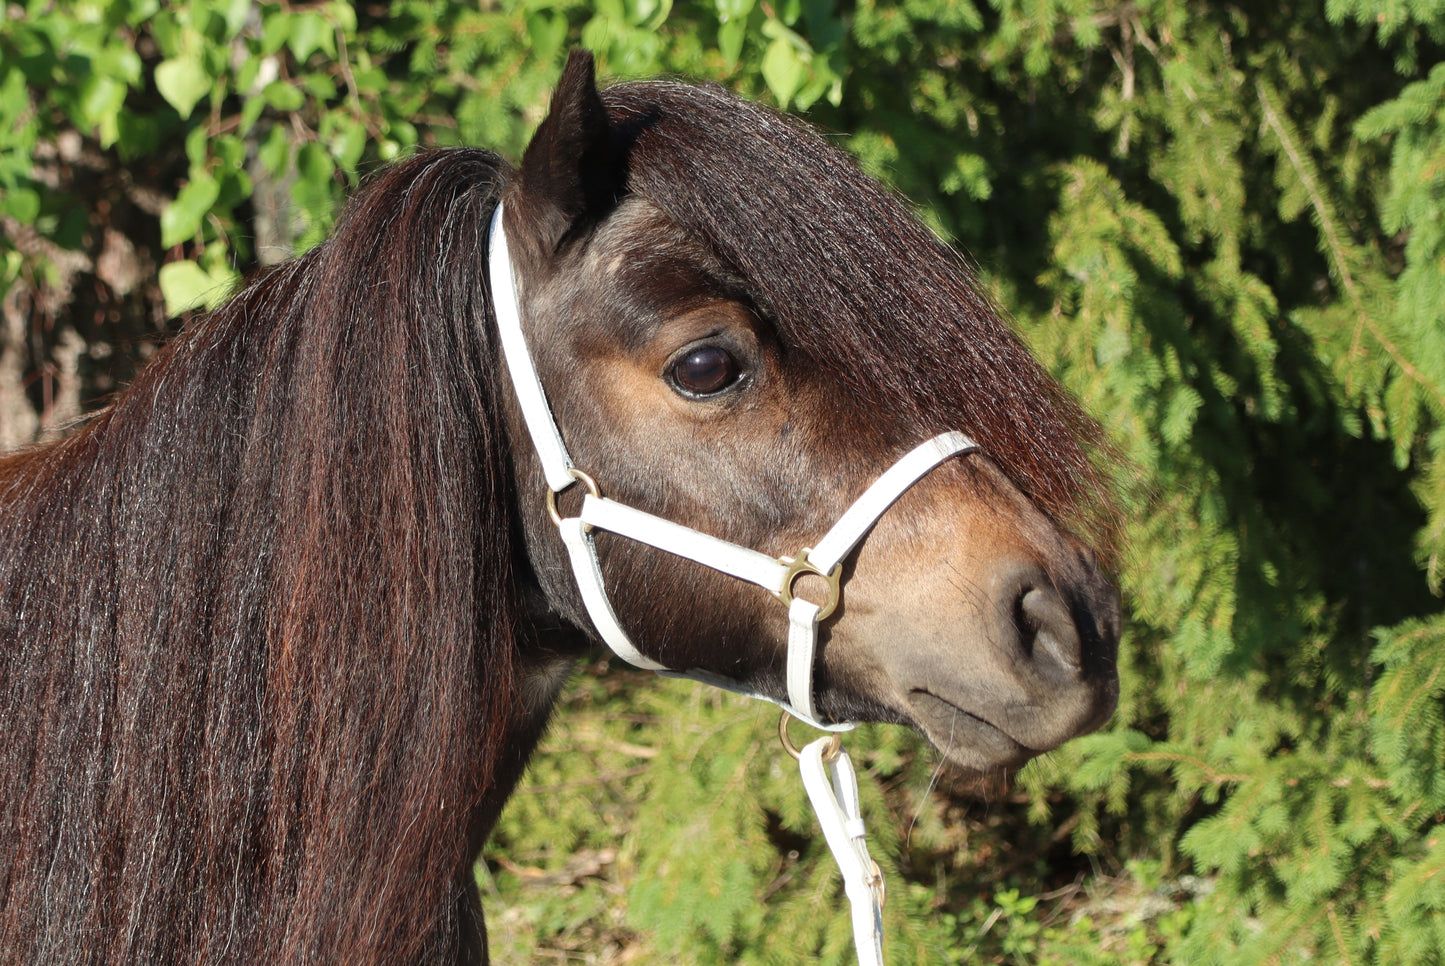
x=827 y=771
x=832 y=787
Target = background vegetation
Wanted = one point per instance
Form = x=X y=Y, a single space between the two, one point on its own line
x=1222 y=225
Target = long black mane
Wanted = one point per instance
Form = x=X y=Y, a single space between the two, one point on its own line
x=257 y=619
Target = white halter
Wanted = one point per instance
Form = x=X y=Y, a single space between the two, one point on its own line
x=822 y=766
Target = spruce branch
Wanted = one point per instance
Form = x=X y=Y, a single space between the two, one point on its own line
x=1338 y=932
x=1210 y=775
x=1303 y=169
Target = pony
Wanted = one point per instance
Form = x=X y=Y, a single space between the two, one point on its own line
x=281 y=625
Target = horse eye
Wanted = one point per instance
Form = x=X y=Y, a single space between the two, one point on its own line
x=705 y=371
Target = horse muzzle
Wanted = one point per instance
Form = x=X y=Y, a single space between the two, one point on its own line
x=996 y=674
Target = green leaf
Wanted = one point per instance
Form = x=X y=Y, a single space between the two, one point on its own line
x=198 y=144
x=186 y=286
x=729 y=11
x=783 y=70
x=348 y=142
x=170 y=36
x=229 y=152
x=314 y=165
x=275 y=151
x=730 y=38
x=100 y=100
x=182 y=81
x=648 y=14
x=547 y=34
x=236 y=12
x=275 y=30
x=182 y=218
x=309 y=33
x=14 y=97
x=251 y=112
x=342 y=14
x=22 y=204
x=319 y=86
x=122 y=63
x=283 y=96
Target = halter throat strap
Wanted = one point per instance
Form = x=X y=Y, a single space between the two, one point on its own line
x=775 y=575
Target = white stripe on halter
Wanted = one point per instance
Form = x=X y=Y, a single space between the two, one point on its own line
x=775 y=575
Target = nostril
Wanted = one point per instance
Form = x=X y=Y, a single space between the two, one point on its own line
x=1046 y=627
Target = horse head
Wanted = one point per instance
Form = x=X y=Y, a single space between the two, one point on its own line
x=738 y=332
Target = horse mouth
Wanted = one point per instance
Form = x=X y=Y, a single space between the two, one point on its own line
x=966 y=740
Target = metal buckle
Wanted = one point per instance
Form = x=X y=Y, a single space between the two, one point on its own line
x=800 y=565
x=829 y=753
x=586 y=481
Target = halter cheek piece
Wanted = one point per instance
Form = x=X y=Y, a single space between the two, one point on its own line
x=821 y=760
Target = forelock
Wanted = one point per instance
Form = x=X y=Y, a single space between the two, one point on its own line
x=858 y=285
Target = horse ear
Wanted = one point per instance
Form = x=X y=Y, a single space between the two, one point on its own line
x=570 y=171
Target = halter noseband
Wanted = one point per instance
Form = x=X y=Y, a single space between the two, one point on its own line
x=837 y=806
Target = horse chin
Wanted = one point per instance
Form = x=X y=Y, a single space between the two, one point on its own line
x=969 y=743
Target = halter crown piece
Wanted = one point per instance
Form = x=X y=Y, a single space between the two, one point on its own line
x=827 y=771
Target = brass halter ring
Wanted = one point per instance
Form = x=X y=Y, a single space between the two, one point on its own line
x=834 y=747
x=582 y=478
x=801 y=565
x=876 y=880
